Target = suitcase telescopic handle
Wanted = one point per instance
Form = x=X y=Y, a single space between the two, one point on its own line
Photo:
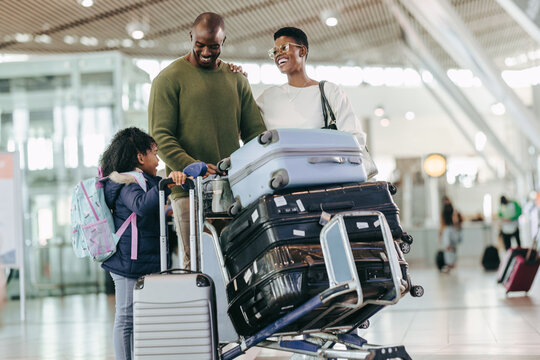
x=164 y=182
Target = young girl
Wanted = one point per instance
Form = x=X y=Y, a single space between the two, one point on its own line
x=132 y=150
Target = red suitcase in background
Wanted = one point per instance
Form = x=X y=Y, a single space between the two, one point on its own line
x=521 y=273
x=509 y=256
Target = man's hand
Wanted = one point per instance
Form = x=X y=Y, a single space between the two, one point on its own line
x=212 y=169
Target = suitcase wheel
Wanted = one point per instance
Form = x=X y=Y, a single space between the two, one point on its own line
x=407 y=238
x=224 y=165
x=417 y=291
x=405 y=248
x=279 y=180
x=392 y=188
x=265 y=138
x=234 y=209
x=276 y=182
x=364 y=325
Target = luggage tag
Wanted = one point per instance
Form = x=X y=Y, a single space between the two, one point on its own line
x=362 y=225
x=325 y=218
x=300 y=233
x=280 y=201
x=247 y=276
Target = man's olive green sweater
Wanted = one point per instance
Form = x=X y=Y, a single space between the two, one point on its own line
x=197 y=114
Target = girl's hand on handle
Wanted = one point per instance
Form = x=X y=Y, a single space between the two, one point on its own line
x=178 y=177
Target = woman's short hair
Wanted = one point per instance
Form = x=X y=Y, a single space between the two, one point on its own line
x=298 y=35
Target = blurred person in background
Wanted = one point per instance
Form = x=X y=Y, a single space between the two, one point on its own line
x=450 y=233
x=509 y=213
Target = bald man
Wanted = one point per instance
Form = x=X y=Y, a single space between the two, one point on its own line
x=198 y=110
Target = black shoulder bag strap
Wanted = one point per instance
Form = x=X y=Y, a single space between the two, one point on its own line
x=326 y=109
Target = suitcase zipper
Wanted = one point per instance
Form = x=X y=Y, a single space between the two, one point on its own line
x=254 y=165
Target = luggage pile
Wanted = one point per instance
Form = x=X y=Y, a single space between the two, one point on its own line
x=286 y=184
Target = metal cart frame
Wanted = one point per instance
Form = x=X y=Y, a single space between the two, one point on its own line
x=343 y=279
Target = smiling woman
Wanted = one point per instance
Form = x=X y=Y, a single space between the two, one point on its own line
x=297 y=104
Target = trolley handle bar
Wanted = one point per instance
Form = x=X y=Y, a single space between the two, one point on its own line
x=193 y=170
x=164 y=182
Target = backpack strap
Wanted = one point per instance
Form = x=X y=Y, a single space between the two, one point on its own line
x=132 y=219
x=89 y=202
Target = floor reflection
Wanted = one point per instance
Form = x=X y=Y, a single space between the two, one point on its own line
x=463 y=315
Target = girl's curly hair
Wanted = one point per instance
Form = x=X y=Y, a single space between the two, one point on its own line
x=121 y=155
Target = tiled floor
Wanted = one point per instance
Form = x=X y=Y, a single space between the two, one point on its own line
x=463 y=315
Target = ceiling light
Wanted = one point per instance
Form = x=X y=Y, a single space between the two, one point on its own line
x=379 y=111
x=331 y=21
x=127 y=43
x=147 y=44
x=510 y=61
x=329 y=17
x=89 y=41
x=409 y=115
x=22 y=38
x=480 y=141
x=385 y=122
x=86 y=3
x=43 y=38
x=70 y=40
x=111 y=43
x=498 y=109
x=137 y=29
x=435 y=165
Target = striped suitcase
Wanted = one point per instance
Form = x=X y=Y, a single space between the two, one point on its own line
x=174 y=317
x=174 y=312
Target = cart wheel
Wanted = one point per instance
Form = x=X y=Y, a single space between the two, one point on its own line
x=276 y=182
x=392 y=188
x=417 y=291
x=265 y=138
x=407 y=238
x=364 y=325
x=405 y=248
x=224 y=165
x=234 y=209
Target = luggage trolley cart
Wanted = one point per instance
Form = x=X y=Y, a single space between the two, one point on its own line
x=344 y=291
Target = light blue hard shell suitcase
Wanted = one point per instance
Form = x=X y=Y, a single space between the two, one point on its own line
x=290 y=158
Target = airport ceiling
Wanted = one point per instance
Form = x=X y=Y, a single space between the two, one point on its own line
x=366 y=33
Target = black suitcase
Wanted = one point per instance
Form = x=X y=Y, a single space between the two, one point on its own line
x=439 y=260
x=490 y=258
x=294 y=217
x=287 y=276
